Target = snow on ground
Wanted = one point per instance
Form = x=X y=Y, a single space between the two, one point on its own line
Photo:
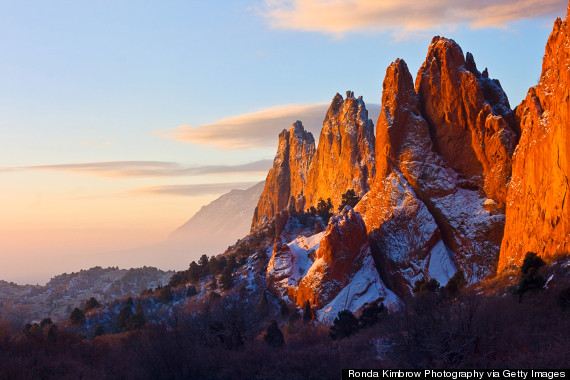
x=441 y=266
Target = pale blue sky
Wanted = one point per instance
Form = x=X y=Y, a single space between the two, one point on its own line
x=102 y=81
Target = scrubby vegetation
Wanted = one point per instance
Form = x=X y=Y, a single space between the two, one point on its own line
x=248 y=333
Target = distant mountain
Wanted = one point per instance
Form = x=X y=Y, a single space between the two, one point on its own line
x=220 y=223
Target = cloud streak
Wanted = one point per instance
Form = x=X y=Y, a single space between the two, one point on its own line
x=255 y=130
x=132 y=169
x=339 y=17
x=195 y=189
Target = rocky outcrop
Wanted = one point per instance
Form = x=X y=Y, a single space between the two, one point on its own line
x=469 y=118
x=345 y=154
x=333 y=270
x=427 y=213
x=402 y=230
x=436 y=181
x=287 y=178
x=538 y=200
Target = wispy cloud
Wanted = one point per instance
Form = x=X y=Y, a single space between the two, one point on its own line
x=255 y=130
x=125 y=169
x=194 y=190
x=339 y=17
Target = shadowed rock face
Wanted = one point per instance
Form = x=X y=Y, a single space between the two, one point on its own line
x=288 y=175
x=538 y=200
x=345 y=154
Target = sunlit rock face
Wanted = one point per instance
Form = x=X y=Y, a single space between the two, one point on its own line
x=443 y=151
x=345 y=154
x=538 y=199
x=288 y=175
x=469 y=117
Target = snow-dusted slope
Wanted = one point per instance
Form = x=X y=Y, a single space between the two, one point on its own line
x=332 y=270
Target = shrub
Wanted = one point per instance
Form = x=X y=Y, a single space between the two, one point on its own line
x=166 y=294
x=530 y=279
x=193 y=273
x=531 y=262
x=456 y=283
x=191 y=292
x=226 y=279
x=99 y=330
x=422 y=287
x=530 y=282
x=91 y=304
x=176 y=279
x=46 y=321
x=371 y=314
x=344 y=325
x=273 y=335
x=77 y=317
x=324 y=209
x=308 y=314
x=124 y=315
x=349 y=198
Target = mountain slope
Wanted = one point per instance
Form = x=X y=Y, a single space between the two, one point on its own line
x=220 y=223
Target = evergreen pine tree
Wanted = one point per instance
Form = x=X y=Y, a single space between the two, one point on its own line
x=77 y=317
x=213 y=284
x=273 y=335
x=349 y=198
x=124 y=315
x=308 y=314
x=90 y=305
x=226 y=279
x=344 y=325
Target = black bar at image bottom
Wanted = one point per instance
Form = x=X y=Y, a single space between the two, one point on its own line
x=454 y=374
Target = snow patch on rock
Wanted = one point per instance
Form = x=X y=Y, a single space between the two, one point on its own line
x=441 y=266
x=366 y=287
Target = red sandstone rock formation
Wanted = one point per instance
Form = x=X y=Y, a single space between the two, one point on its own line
x=288 y=175
x=425 y=217
x=469 y=117
x=538 y=200
x=333 y=269
x=340 y=255
x=345 y=154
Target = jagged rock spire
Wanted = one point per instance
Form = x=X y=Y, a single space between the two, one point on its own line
x=288 y=175
x=345 y=154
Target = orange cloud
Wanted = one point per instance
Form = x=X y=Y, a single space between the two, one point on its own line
x=342 y=16
x=255 y=130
